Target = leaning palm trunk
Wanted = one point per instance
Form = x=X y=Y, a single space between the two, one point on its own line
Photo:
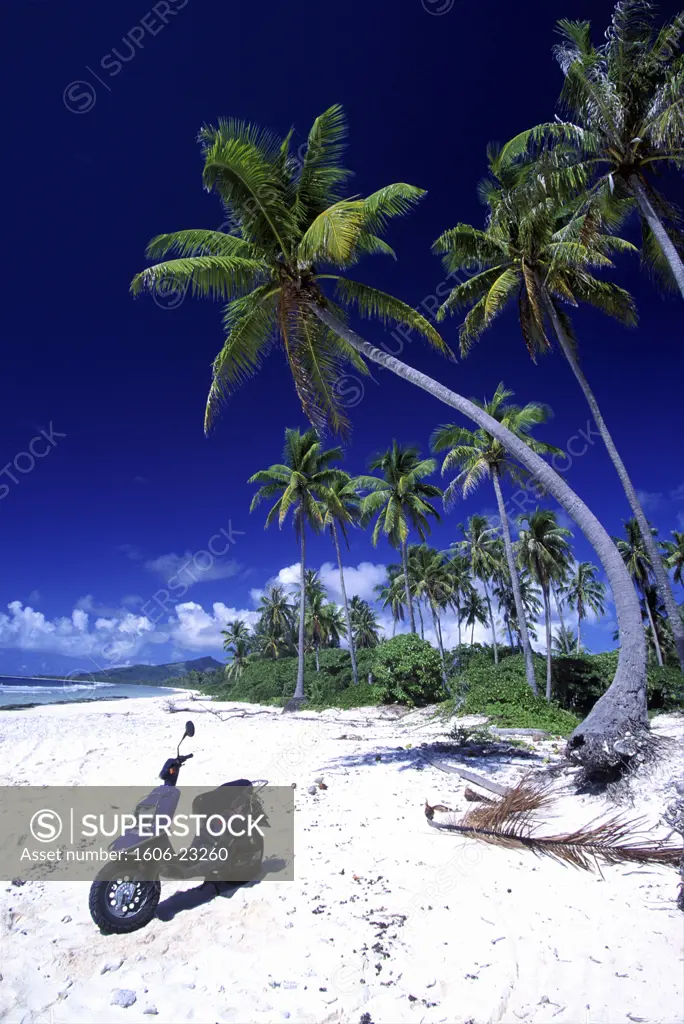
x=622 y=709
x=515 y=584
x=438 y=634
x=299 y=691
x=662 y=581
x=407 y=588
x=651 y=622
x=491 y=622
x=347 y=615
x=657 y=227
x=547 y=623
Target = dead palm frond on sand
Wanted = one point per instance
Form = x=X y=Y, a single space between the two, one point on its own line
x=510 y=822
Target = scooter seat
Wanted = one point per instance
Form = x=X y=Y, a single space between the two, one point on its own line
x=219 y=801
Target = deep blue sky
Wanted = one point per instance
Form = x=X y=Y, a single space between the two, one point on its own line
x=134 y=479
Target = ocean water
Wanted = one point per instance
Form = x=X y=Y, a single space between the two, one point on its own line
x=22 y=690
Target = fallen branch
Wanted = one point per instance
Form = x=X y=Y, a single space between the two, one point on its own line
x=478 y=780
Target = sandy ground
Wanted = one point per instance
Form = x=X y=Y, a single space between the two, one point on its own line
x=387 y=918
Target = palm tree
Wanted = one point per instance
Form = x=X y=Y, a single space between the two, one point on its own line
x=583 y=591
x=235 y=631
x=274 y=630
x=343 y=509
x=237 y=642
x=529 y=595
x=460 y=585
x=400 y=502
x=544 y=550
x=564 y=641
x=637 y=559
x=538 y=255
x=474 y=611
x=300 y=481
x=334 y=624
x=481 y=548
x=314 y=596
x=624 y=99
x=365 y=624
x=477 y=455
x=393 y=596
x=430 y=579
x=290 y=221
x=674 y=555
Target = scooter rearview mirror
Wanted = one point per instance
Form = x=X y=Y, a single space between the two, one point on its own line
x=189 y=729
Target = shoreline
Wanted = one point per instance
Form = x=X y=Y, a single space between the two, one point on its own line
x=385 y=917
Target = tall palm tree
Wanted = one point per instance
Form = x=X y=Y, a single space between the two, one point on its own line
x=584 y=592
x=364 y=623
x=300 y=482
x=480 y=545
x=638 y=561
x=536 y=254
x=393 y=596
x=564 y=641
x=474 y=611
x=334 y=624
x=477 y=455
x=315 y=616
x=276 y=622
x=343 y=509
x=674 y=555
x=624 y=100
x=460 y=584
x=400 y=502
x=544 y=551
x=529 y=595
x=291 y=222
x=430 y=579
x=234 y=631
x=236 y=642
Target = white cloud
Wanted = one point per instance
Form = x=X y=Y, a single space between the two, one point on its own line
x=197 y=630
x=360 y=580
x=650 y=499
x=185 y=570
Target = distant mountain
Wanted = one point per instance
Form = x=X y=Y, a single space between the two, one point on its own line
x=151 y=674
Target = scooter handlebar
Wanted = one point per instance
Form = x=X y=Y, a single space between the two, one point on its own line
x=184 y=757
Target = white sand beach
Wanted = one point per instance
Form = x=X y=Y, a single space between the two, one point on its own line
x=387 y=918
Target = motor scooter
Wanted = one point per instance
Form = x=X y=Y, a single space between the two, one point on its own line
x=125 y=894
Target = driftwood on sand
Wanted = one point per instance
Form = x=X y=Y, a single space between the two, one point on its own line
x=478 y=780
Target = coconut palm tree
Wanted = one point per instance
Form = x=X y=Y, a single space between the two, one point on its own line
x=237 y=642
x=543 y=550
x=393 y=596
x=275 y=628
x=460 y=585
x=431 y=580
x=334 y=624
x=477 y=455
x=315 y=615
x=400 y=502
x=564 y=641
x=300 y=482
x=624 y=101
x=364 y=624
x=537 y=254
x=474 y=611
x=584 y=592
x=529 y=596
x=481 y=548
x=637 y=559
x=674 y=555
x=291 y=222
x=235 y=631
x=343 y=509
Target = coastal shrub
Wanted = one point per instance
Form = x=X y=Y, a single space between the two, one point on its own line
x=409 y=670
x=501 y=693
x=665 y=688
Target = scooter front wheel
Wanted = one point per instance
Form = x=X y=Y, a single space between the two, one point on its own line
x=118 y=905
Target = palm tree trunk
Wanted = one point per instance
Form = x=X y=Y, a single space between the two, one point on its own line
x=547 y=623
x=299 y=690
x=651 y=622
x=659 y=571
x=622 y=708
x=352 y=651
x=318 y=663
x=404 y=562
x=420 y=616
x=579 y=624
x=657 y=227
x=458 y=613
x=438 y=634
x=394 y=626
x=472 y=634
x=491 y=622
x=510 y=638
x=515 y=583
x=557 y=603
